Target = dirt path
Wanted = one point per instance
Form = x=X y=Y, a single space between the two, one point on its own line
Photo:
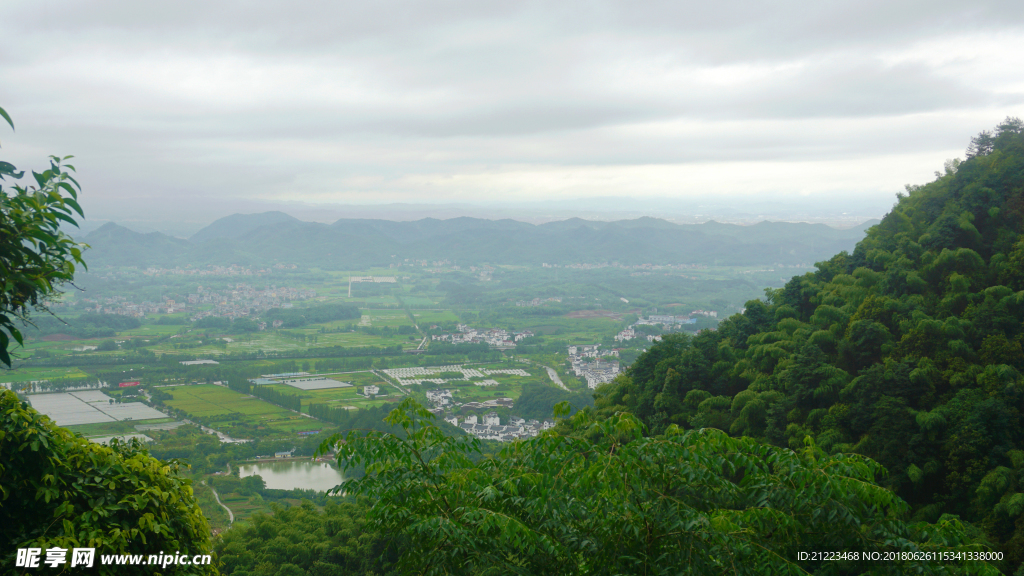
x=554 y=378
x=231 y=515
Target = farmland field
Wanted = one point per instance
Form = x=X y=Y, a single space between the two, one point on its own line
x=213 y=400
x=41 y=373
x=233 y=411
x=111 y=428
x=350 y=396
x=419 y=302
x=427 y=317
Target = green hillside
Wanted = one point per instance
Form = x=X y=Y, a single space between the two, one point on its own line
x=908 y=351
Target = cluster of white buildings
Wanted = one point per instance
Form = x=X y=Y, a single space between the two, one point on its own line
x=211 y=270
x=665 y=319
x=120 y=306
x=490 y=428
x=443 y=400
x=234 y=303
x=586 y=364
x=669 y=319
x=646 y=266
x=495 y=337
x=438 y=264
x=244 y=298
x=440 y=398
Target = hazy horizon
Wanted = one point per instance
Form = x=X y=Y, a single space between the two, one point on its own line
x=185 y=112
x=599 y=209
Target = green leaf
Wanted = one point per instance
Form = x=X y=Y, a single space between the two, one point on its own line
x=5 y=116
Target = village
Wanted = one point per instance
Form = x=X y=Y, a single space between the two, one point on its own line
x=665 y=320
x=488 y=426
x=497 y=338
x=235 y=303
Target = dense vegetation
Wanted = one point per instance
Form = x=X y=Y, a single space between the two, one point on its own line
x=61 y=490
x=603 y=499
x=302 y=540
x=298 y=317
x=908 y=351
x=36 y=257
x=537 y=401
x=82 y=326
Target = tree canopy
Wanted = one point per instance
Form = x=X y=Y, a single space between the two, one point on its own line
x=607 y=500
x=58 y=489
x=908 y=351
x=302 y=540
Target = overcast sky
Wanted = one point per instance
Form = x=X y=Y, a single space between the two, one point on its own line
x=169 y=104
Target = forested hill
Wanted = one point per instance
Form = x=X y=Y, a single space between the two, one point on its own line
x=262 y=239
x=908 y=350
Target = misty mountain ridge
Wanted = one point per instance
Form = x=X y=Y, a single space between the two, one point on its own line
x=271 y=237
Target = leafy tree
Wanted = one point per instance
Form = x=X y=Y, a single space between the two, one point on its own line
x=58 y=489
x=606 y=500
x=907 y=351
x=106 y=346
x=35 y=256
x=303 y=540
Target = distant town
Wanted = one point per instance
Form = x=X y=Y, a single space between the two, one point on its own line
x=239 y=302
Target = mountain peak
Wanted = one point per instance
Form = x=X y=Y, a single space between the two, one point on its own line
x=237 y=225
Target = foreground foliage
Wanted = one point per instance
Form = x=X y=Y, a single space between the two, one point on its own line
x=690 y=502
x=908 y=351
x=60 y=490
x=302 y=540
x=35 y=256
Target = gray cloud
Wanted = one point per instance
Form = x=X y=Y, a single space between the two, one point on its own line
x=463 y=100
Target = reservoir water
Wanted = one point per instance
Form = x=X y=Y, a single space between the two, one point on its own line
x=292 y=474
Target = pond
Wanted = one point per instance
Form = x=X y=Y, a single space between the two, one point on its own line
x=292 y=474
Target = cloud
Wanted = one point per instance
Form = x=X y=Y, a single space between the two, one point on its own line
x=460 y=100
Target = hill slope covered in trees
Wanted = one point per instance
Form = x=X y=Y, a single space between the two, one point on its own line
x=908 y=351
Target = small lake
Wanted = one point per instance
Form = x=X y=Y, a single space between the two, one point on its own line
x=292 y=474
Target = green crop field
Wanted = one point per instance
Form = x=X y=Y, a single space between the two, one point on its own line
x=236 y=409
x=213 y=400
x=371 y=300
x=357 y=339
x=419 y=301
x=41 y=373
x=427 y=317
x=153 y=330
x=391 y=318
x=349 y=396
x=284 y=341
x=110 y=428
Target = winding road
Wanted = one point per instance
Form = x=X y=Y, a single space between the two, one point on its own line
x=231 y=515
x=554 y=378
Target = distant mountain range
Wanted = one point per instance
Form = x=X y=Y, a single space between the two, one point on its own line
x=276 y=237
